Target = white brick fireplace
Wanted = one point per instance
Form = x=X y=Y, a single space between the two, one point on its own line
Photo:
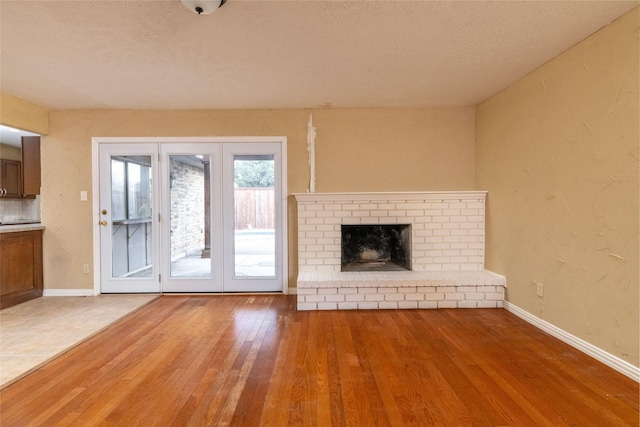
x=447 y=252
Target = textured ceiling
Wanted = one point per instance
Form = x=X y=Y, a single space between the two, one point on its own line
x=155 y=54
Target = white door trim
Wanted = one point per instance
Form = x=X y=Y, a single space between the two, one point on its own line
x=95 y=190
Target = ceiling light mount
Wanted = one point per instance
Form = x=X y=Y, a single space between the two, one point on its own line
x=203 y=7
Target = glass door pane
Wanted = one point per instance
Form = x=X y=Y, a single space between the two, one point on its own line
x=131 y=201
x=253 y=217
x=189 y=212
x=254 y=211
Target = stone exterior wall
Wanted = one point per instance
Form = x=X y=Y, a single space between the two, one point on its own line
x=187 y=210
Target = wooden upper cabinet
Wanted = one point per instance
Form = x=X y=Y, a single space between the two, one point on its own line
x=10 y=178
x=30 y=165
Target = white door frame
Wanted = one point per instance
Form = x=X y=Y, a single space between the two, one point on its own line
x=95 y=190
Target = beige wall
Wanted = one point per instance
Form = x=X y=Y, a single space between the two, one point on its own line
x=10 y=152
x=558 y=153
x=357 y=150
x=395 y=150
x=20 y=114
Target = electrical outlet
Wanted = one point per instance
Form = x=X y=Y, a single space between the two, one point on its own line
x=85 y=268
x=540 y=289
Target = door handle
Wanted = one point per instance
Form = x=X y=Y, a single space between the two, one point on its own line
x=103 y=223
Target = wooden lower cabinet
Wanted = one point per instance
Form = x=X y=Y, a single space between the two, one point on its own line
x=20 y=267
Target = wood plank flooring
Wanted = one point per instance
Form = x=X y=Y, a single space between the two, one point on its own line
x=256 y=361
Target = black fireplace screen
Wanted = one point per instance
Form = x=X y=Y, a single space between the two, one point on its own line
x=376 y=247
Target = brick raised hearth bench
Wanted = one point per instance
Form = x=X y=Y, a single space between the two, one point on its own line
x=443 y=234
x=399 y=289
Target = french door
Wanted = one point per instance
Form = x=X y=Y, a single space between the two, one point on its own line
x=195 y=216
x=129 y=235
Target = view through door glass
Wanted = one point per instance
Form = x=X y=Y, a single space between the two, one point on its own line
x=131 y=201
x=190 y=215
x=255 y=216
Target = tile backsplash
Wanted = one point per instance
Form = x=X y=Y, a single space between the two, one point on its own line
x=11 y=210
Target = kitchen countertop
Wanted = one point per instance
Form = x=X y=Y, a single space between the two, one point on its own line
x=14 y=228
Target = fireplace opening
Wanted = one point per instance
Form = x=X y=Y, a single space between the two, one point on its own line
x=376 y=247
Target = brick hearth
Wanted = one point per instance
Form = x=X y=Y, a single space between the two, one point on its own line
x=400 y=289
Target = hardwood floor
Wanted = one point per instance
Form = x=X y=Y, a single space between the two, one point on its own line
x=256 y=361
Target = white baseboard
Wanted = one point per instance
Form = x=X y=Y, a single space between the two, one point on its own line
x=68 y=293
x=293 y=291
x=608 y=359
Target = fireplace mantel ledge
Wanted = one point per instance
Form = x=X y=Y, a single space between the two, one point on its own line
x=388 y=279
x=402 y=195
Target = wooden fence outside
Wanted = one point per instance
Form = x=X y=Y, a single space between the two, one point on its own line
x=255 y=208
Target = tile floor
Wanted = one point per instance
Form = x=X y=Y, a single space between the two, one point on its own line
x=36 y=331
